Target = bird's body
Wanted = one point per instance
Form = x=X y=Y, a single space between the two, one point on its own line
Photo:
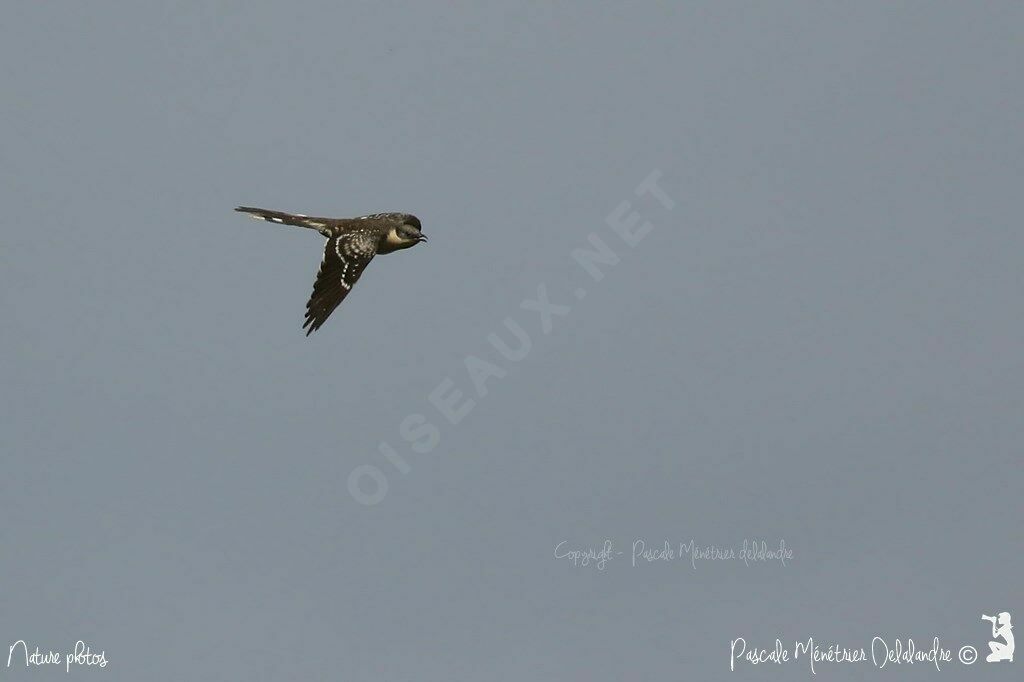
x=351 y=244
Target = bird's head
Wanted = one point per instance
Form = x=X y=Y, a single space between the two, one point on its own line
x=409 y=231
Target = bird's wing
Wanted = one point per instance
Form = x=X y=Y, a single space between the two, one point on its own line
x=322 y=225
x=345 y=258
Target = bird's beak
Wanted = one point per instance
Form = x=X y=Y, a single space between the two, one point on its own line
x=421 y=238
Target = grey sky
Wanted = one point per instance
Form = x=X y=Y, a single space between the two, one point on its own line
x=819 y=343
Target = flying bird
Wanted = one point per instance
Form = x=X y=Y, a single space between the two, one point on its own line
x=351 y=245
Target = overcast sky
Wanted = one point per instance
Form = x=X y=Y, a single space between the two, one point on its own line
x=810 y=333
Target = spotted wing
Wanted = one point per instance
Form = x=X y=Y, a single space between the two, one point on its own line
x=345 y=258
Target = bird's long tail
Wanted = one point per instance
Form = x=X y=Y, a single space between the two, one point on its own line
x=282 y=218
